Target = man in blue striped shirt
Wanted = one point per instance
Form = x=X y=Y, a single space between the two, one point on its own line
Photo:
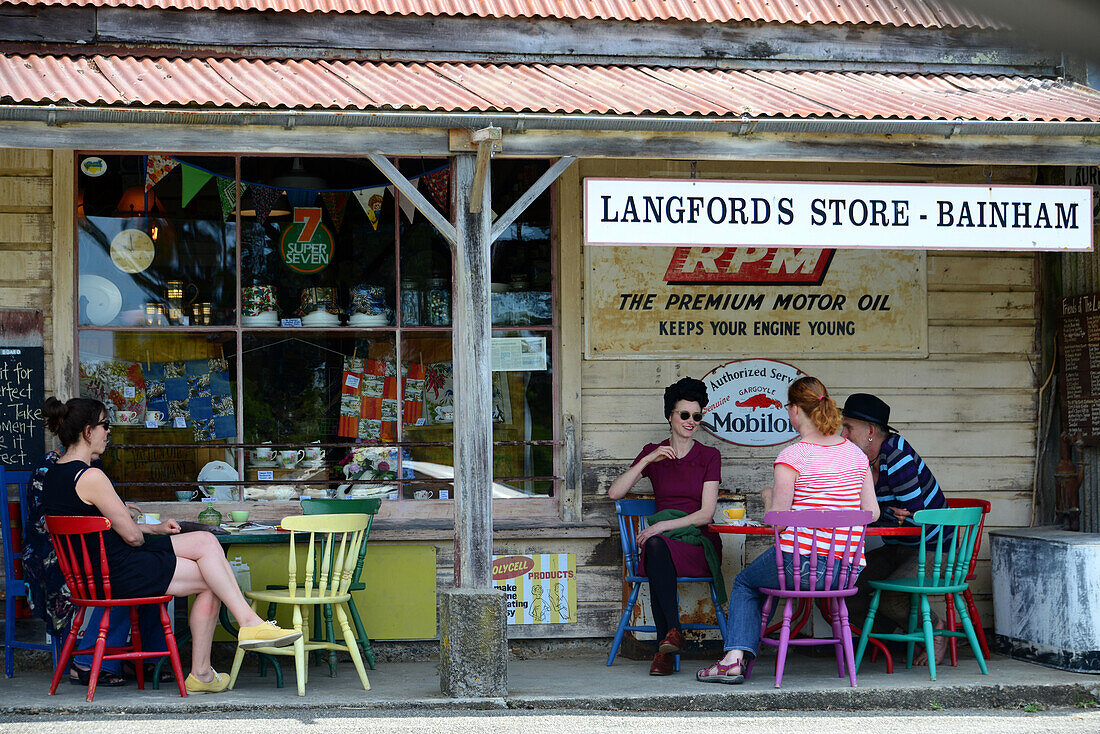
x=904 y=484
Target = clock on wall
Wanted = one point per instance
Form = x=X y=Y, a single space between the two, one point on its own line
x=132 y=250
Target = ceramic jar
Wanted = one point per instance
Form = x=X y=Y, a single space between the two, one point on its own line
x=320 y=298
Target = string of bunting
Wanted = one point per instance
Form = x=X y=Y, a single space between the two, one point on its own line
x=264 y=197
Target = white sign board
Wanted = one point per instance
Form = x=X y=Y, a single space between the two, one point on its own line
x=748 y=400
x=700 y=212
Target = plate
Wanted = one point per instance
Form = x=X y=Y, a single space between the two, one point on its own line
x=104 y=299
x=219 y=470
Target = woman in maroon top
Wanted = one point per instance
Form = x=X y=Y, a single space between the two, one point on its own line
x=685 y=476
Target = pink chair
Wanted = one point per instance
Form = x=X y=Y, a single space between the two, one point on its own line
x=821 y=526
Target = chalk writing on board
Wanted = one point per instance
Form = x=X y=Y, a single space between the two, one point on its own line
x=22 y=392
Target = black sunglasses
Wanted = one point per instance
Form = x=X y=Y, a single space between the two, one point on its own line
x=106 y=423
x=697 y=417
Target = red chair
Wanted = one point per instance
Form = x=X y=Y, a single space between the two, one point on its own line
x=967 y=596
x=90 y=586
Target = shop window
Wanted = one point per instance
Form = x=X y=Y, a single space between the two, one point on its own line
x=267 y=328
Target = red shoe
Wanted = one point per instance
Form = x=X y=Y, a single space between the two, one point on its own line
x=673 y=642
x=662 y=664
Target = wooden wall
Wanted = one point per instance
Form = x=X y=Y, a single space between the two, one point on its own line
x=969 y=408
x=26 y=236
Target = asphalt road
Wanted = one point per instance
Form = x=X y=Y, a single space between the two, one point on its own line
x=1076 y=720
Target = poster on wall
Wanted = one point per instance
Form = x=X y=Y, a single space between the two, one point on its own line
x=748 y=402
x=654 y=302
x=539 y=589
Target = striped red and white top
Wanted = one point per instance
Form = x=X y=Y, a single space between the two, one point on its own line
x=829 y=478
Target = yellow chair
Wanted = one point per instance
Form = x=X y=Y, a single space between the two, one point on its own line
x=333 y=549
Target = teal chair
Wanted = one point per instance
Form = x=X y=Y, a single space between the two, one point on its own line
x=947 y=575
x=339 y=507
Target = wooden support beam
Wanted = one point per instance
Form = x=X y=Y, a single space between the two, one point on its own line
x=473 y=388
x=488 y=141
x=502 y=223
x=445 y=228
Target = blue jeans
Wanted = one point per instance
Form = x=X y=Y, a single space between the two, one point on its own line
x=746 y=602
x=152 y=634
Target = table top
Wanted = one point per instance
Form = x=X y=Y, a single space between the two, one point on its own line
x=891 y=530
x=276 y=537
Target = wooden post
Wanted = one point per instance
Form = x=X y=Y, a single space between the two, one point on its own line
x=473 y=387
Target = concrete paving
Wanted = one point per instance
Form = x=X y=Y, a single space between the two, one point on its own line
x=585 y=682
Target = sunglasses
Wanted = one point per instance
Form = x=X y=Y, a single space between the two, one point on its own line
x=697 y=417
x=106 y=423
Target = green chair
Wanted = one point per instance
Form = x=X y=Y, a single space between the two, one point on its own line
x=946 y=576
x=340 y=507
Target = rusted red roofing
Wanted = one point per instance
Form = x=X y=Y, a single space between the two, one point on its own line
x=920 y=13
x=556 y=88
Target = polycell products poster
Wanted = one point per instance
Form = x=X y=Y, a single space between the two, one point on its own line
x=657 y=302
x=540 y=589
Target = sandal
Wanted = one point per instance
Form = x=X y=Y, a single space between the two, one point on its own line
x=80 y=677
x=718 y=673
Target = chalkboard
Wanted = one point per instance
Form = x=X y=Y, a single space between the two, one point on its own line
x=22 y=392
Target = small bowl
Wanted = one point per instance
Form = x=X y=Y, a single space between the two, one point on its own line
x=239 y=515
x=184 y=495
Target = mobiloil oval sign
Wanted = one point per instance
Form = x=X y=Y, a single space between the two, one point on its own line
x=747 y=399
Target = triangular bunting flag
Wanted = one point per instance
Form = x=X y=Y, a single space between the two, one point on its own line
x=156 y=168
x=264 y=198
x=336 y=203
x=193 y=181
x=227 y=193
x=301 y=197
x=437 y=184
x=371 y=201
x=406 y=203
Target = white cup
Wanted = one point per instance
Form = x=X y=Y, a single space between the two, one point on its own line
x=422 y=494
x=130 y=417
x=263 y=453
x=314 y=454
x=154 y=416
x=289 y=459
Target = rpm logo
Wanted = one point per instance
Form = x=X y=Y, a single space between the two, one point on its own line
x=747 y=399
x=748 y=266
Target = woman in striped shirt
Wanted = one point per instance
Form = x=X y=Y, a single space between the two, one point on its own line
x=821 y=472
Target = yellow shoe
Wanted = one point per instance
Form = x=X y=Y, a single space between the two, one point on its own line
x=219 y=684
x=265 y=634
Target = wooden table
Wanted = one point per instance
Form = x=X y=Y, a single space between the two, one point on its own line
x=803 y=613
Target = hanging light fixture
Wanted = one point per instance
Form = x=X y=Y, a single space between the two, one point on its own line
x=137 y=202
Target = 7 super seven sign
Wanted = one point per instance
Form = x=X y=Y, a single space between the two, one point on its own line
x=307 y=245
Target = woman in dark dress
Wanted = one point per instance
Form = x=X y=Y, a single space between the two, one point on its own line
x=685 y=476
x=148 y=560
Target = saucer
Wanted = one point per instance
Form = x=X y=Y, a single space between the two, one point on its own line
x=362 y=319
x=115 y=423
x=320 y=318
x=263 y=464
x=266 y=318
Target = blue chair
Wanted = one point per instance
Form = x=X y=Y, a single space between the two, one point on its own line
x=632 y=515
x=15 y=588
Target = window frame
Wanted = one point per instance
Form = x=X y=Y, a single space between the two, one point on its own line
x=402 y=508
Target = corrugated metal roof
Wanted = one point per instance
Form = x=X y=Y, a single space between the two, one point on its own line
x=555 y=88
x=920 y=13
